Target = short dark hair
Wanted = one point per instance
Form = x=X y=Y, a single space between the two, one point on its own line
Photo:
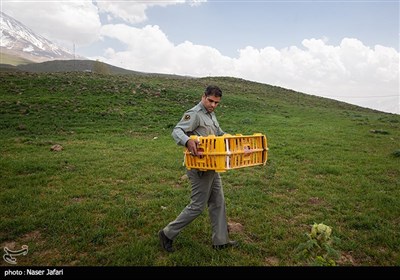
x=213 y=91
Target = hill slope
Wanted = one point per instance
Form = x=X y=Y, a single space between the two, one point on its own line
x=12 y=60
x=71 y=66
x=74 y=66
x=119 y=178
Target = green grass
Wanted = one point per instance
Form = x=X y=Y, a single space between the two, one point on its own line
x=118 y=180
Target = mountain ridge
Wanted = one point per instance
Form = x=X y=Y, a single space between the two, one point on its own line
x=84 y=65
x=19 y=40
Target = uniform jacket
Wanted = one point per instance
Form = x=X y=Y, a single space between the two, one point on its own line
x=196 y=121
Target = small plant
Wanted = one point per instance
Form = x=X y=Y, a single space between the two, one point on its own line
x=318 y=249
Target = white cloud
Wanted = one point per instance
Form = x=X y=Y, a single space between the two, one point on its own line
x=64 y=22
x=145 y=50
x=123 y=10
x=135 y=11
x=78 y=21
x=345 y=72
x=196 y=2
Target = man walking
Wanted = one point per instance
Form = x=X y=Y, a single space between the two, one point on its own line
x=206 y=185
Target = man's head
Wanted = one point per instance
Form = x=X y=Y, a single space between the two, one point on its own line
x=211 y=98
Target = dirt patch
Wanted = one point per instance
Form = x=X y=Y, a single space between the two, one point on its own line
x=315 y=200
x=346 y=259
x=271 y=261
x=235 y=227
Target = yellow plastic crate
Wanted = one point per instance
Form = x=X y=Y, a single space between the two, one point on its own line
x=221 y=153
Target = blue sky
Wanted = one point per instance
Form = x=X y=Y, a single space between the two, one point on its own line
x=345 y=50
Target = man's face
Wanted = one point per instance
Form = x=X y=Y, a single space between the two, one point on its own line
x=210 y=102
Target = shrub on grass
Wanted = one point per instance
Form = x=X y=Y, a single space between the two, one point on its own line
x=318 y=249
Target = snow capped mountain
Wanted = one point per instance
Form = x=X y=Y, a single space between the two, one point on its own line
x=19 y=40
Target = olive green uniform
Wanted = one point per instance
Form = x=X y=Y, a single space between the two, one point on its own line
x=206 y=185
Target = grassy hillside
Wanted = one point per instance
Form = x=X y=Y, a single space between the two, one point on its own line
x=73 y=65
x=14 y=60
x=119 y=178
x=82 y=66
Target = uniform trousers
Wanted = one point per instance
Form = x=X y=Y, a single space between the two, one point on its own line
x=206 y=191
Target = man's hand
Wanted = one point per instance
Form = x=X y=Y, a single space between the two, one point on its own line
x=247 y=150
x=192 y=146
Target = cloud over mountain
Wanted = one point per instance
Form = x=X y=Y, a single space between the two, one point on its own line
x=17 y=39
